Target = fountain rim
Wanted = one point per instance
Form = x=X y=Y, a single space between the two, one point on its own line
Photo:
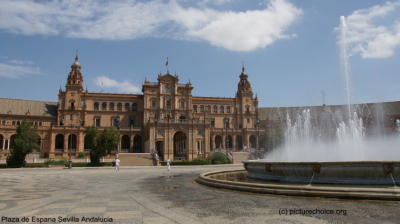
x=263 y=161
x=358 y=193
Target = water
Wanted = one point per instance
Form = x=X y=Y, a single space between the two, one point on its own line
x=344 y=59
x=335 y=135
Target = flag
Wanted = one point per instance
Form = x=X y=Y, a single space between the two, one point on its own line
x=166 y=63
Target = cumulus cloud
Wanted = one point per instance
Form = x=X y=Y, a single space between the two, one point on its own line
x=130 y=19
x=123 y=87
x=246 y=31
x=374 y=32
x=15 y=69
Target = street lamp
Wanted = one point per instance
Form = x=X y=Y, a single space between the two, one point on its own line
x=236 y=138
x=155 y=134
x=204 y=134
x=258 y=133
x=227 y=140
x=70 y=148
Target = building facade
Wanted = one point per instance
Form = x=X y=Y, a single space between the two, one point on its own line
x=165 y=118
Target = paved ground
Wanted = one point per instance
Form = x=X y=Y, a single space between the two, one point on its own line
x=152 y=195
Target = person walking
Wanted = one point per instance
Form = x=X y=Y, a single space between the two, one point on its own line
x=117 y=162
x=168 y=164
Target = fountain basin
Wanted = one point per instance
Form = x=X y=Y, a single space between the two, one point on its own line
x=346 y=172
x=326 y=191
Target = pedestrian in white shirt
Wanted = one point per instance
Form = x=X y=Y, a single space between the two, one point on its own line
x=117 y=164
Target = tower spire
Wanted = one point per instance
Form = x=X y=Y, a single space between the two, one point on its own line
x=75 y=77
x=76 y=57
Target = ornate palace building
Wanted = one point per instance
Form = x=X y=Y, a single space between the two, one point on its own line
x=166 y=117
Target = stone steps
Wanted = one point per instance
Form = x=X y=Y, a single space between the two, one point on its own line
x=240 y=156
x=135 y=159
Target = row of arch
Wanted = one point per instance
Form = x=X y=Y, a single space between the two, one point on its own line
x=9 y=143
x=111 y=106
x=234 y=144
x=180 y=144
x=207 y=108
x=126 y=143
x=36 y=123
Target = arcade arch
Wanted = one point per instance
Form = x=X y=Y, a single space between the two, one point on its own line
x=180 y=145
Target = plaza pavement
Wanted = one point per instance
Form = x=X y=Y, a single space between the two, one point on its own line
x=154 y=195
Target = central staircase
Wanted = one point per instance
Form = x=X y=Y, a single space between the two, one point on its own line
x=136 y=159
x=238 y=157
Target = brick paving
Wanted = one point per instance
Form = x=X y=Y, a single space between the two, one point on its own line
x=154 y=195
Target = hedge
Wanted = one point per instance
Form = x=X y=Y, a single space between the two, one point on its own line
x=196 y=161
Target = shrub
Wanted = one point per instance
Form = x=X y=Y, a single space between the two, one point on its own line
x=35 y=165
x=15 y=161
x=200 y=161
x=90 y=164
x=196 y=161
x=219 y=158
x=56 y=162
x=81 y=155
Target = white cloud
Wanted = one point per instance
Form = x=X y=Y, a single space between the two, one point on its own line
x=123 y=87
x=16 y=69
x=250 y=30
x=130 y=19
x=373 y=32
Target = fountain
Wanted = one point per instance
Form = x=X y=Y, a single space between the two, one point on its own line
x=329 y=148
x=348 y=159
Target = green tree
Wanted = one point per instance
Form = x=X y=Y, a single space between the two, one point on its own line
x=101 y=144
x=272 y=139
x=25 y=141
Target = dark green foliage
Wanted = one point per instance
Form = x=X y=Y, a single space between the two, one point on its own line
x=219 y=158
x=272 y=139
x=81 y=155
x=25 y=141
x=56 y=162
x=41 y=165
x=35 y=165
x=200 y=161
x=196 y=161
x=90 y=164
x=101 y=144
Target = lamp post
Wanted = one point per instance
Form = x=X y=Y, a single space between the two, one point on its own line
x=236 y=139
x=155 y=134
x=258 y=133
x=70 y=148
x=204 y=134
x=227 y=140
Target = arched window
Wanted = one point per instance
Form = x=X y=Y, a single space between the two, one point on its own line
x=126 y=106
x=182 y=105
x=134 y=107
x=208 y=108
x=215 y=109
x=119 y=106
x=104 y=106
x=112 y=106
x=168 y=104
x=195 y=108
x=228 y=109
x=221 y=109
x=201 y=108
x=96 y=106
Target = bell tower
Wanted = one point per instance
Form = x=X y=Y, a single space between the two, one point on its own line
x=75 y=78
x=244 y=86
x=247 y=106
x=71 y=103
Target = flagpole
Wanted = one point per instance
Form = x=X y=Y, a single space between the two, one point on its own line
x=166 y=64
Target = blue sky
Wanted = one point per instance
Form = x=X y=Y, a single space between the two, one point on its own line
x=289 y=48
